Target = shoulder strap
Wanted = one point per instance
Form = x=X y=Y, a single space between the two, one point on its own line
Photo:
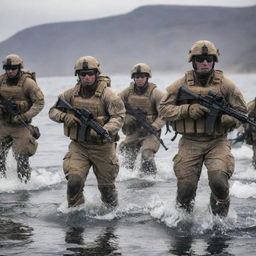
x=104 y=82
x=2 y=77
x=26 y=74
x=189 y=78
x=218 y=76
x=131 y=89
x=150 y=89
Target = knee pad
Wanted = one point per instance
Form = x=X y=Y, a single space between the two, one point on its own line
x=75 y=185
x=186 y=192
x=218 y=182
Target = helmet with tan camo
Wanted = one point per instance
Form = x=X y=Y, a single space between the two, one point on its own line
x=12 y=60
x=140 y=68
x=203 y=47
x=87 y=63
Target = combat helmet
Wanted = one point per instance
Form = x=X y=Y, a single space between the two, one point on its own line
x=87 y=62
x=12 y=60
x=140 y=68
x=203 y=47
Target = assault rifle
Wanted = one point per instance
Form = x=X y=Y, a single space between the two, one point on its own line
x=217 y=108
x=140 y=116
x=11 y=107
x=87 y=119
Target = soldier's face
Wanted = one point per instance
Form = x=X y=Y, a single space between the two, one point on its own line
x=11 y=71
x=140 y=79
x=87 y=77
x=204 y=66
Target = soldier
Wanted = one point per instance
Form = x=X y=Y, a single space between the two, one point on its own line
x=20 y=100
x=92 y=92
x=250 y=132
x=196 y=146
x=146 y=96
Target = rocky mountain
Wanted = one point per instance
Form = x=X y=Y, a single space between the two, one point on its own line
x=159 y=35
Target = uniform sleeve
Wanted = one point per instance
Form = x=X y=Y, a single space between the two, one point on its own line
x=116 y=110
x=252 y=108
x=157 y=95
x=233 y=95
x=122 y=95
x=54 y=113
x=34 y=93
x=169 y=110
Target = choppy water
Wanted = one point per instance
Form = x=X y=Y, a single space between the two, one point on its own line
x=35 y=220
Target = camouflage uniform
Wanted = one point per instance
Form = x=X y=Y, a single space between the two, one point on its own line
x=108 y=109
x=196 y=147
x=13 y=133
x=137 y=139
x=251 y=137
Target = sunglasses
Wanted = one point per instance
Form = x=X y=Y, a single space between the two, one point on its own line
x=202 y=58
x=86 y=73
x=141 y=75
x=10 y=68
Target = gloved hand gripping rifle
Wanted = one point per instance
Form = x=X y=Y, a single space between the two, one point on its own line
x=87 y=119
x=216 y=105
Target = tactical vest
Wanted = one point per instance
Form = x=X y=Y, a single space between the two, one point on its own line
x=190 y=126
x=143 y=101
x=93 y=104
x=15 y=92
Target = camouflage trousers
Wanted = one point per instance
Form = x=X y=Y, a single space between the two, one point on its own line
x=147 y=146
x=217 y=157
x=104 y=162
x=23 y=145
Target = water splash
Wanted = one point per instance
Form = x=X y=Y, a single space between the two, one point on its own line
x=40 y=178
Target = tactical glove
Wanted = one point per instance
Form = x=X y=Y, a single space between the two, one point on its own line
x=196 y=111
x=228 y=121
x=95 y=135
x=71 y=120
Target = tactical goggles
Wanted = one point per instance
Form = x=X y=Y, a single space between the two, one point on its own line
x=11 y=67
x=202 y=58
x=86 y=73
x=140 y=75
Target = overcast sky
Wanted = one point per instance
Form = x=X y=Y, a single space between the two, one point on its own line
x=16 y=15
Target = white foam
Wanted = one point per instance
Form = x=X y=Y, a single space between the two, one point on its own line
x=40 y=178
x=243 y=152
x=248 y=174
x=243 y=190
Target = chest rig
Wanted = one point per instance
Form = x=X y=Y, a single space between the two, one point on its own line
x=143 y=101
x=16 y=93
x=94 y=104
x=190 y=126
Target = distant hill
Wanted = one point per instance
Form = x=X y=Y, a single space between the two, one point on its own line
x=159 y=35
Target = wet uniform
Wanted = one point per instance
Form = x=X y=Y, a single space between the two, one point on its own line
x=195 y=146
